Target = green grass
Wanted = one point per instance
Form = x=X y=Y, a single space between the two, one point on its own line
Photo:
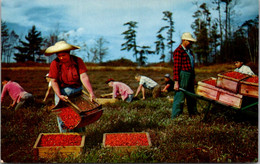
x=221 y=139
x=226 y=136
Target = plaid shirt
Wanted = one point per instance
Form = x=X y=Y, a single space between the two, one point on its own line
x=181 y=62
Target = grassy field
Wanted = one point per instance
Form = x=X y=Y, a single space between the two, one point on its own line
x=226 y=136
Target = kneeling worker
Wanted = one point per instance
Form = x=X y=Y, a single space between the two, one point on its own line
x=122 y=89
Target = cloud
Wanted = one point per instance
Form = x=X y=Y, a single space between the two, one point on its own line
x=87 y=20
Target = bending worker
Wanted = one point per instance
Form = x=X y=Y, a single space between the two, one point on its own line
x=67 y=73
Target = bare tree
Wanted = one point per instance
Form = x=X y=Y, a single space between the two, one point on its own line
x=99 y=50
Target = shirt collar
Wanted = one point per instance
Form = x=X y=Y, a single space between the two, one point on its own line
x=183 y=47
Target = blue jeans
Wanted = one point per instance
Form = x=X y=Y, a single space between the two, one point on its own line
x=67 y=92
x=186 y=82
x=129 y=98
x=26 y=100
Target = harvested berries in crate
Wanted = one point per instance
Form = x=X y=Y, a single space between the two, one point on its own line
x=48 y=145
x=126 y=141
x=230 y=80
x=79 y=111
x=69 y=117
x=249 y=87
x=207 y=88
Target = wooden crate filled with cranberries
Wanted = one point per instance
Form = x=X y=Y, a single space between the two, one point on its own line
x=208 y=88
x=48 y=145
x=230 y=80
x=249 y=87
x=125 y=142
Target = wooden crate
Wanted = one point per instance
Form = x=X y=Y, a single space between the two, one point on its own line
x=207 y=90
x=63 y=151
x=218 y=94
x=229 y=98
x=248 y=89
x=106 y=100
x=122 y=149
x=229 y=83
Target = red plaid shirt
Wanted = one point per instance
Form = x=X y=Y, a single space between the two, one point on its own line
x=181 y=62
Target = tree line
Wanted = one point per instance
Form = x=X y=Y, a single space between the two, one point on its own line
x=32 y=47
x=217 y=40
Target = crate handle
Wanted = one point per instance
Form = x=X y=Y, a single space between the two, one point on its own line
x=74 y=105
x=89 y=96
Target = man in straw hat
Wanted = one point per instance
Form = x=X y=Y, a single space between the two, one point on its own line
x=184 y=76
x=67 y=73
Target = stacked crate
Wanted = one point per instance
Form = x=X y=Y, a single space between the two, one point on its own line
x=229 y=88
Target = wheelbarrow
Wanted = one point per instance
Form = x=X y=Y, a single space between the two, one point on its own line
x=81 y=110
x=248 y=103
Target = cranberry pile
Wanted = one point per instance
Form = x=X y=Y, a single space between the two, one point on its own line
x=210 y=82
x=69 y=117
x=235 y=75
x=252 y=79
x=60 y=140
x=126 y=139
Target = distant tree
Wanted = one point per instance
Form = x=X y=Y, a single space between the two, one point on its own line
x=201 y=25
x=170 y=29
x=130 y=37
x=249 y=34
x=4 y=41
x=32 y=47
x=145 y=50
x=219 y=20
x=50 y=40
x=13 y=41
x=160 y=47
x=227 y=43
x=214 y=38
x=99 y=50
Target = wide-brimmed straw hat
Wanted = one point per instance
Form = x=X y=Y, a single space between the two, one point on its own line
x=59 y=47
x=188 y=36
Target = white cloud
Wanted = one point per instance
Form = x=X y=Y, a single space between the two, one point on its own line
x=88 y=20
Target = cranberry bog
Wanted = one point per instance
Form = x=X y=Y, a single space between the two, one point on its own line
x=227 y=136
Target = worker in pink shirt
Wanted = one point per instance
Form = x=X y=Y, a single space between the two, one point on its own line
x=19 y=96
x=120 y=88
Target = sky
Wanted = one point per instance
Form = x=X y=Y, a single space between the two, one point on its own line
x=85 y=21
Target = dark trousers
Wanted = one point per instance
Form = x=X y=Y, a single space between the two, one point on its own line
x=186 y=82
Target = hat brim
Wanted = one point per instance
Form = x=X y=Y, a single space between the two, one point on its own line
x=60 y=48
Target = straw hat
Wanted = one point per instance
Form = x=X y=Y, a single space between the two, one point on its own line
x=188 y=36
x=59 y=47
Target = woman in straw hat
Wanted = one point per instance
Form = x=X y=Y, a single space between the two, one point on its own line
x=67 y=74
x=184 y=76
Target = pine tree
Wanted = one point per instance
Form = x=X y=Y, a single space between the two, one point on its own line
x=170 y=30
x=28 y=50
x=130 y=37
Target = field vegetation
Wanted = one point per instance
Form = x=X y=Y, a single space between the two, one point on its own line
x=226 y=136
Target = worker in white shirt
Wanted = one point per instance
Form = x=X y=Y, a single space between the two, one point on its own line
x=241 y=68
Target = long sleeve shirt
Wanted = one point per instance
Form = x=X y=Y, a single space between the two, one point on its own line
x=181 y=62
x=122 y=89
x=14 y=90
x=245 y=70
